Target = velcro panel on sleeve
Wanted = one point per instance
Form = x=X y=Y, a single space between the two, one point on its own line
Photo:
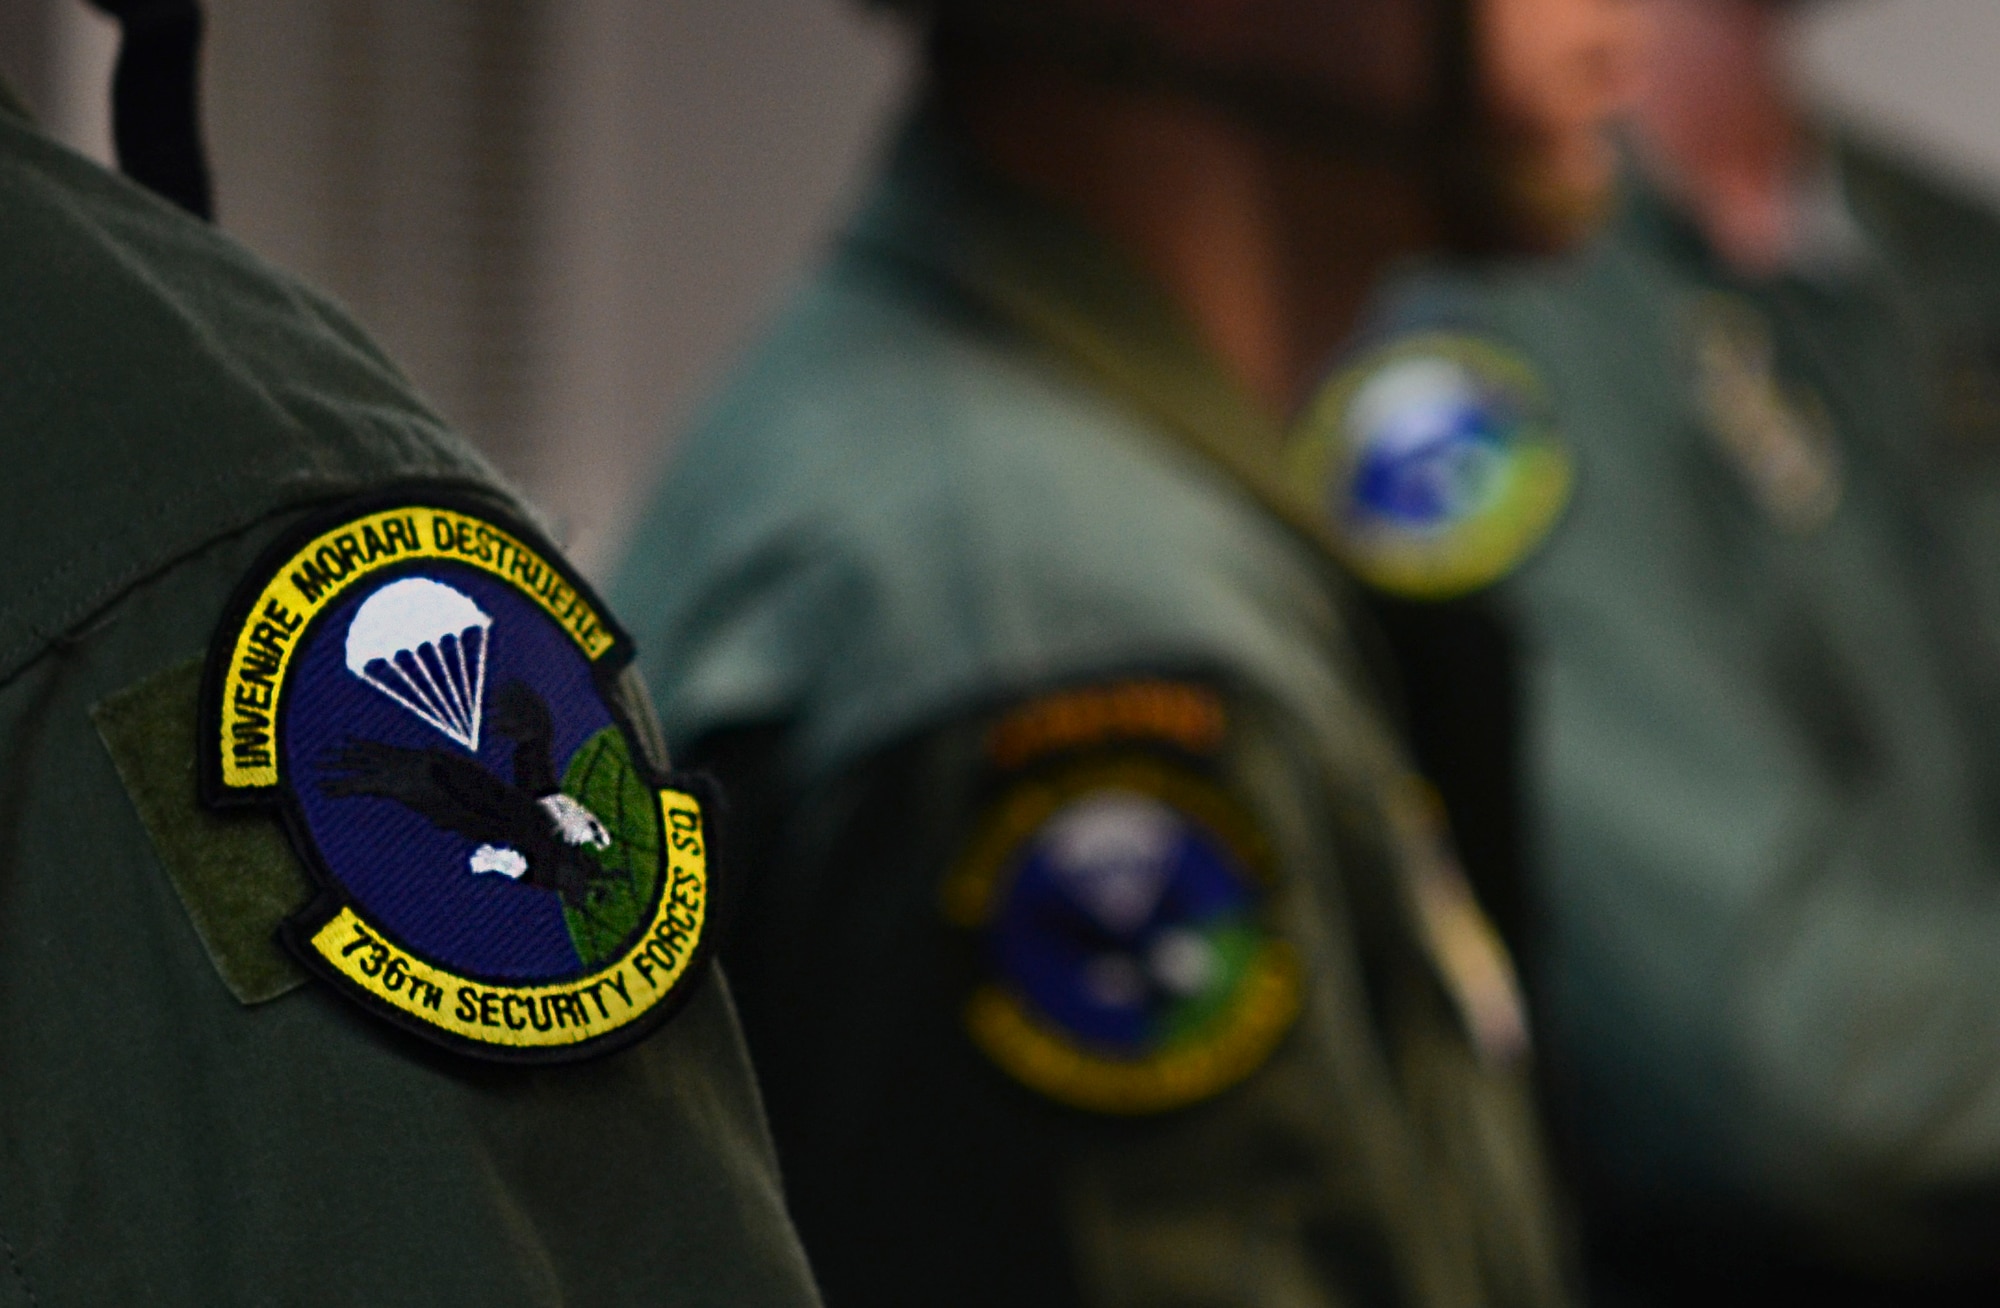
x=236 y=873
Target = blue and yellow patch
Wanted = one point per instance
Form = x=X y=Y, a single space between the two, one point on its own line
x=1436 y=463
x=424 y=690
x=1121 y=898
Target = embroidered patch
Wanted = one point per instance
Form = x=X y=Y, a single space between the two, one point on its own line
x=426 y=694
x=1436 y=463
x=1122 y=903
x=1188 y=717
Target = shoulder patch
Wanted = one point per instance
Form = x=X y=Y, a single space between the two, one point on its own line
x=1436 y=463
x=1186 y=716
x=429 y=697
x=1122 y=902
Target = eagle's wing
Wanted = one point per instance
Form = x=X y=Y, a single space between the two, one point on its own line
x=523 y=717
x=455 y=793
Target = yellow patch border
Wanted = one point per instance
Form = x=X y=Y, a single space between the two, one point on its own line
x=1051 y=1062
x=1465 y=556
x=1048 y=1061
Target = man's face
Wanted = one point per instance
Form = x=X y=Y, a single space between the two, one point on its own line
x=1555 y=72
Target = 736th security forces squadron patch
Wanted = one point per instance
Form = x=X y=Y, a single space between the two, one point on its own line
x=1121 y=897
x=425 y=692
x=1436 y=464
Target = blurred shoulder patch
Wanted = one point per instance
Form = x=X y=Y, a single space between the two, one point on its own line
x=1185 y=715
x=1120 y=896
x=1436 y=462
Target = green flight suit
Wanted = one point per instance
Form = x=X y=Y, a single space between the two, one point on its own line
x=1758 y=751
x=184 y=1118
x=982 y=477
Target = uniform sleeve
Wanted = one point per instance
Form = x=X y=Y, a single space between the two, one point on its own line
x=166 y=1142
x=1771 y=964
x=1761 y=908
x=933 y=958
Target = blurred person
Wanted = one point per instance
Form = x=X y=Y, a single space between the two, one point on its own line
x=1758 y=661
x=1101 y=945
x=283 y=659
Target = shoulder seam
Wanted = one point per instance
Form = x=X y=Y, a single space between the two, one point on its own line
x=23 y=655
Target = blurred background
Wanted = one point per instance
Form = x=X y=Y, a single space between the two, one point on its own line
x=563 y=216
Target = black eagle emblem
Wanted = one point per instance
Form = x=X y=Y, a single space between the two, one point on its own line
x=526 y=829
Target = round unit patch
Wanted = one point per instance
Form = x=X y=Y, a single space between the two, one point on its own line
x=1123 y=911
x=423 y=690
x=1436 y=463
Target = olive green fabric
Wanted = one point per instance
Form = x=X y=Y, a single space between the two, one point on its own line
x=168 y=407
x=1761 y=749
x=978 y=459
x=291 y=403
x=236 y=873
x=1356 y=1165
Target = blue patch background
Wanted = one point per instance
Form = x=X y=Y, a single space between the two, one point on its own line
x=1042 y=939
x=404 y=874
x=1427 y=486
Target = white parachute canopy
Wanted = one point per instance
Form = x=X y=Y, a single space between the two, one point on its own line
x=423 y=644
x=1113 y=851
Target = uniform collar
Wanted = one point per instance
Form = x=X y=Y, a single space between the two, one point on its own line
x=944 y=217
x=1835 y=247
